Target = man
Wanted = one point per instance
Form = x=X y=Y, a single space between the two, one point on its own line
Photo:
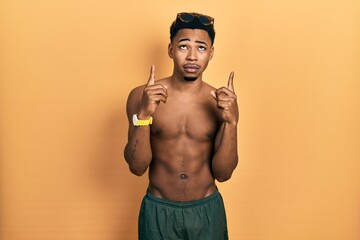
x=185 y=132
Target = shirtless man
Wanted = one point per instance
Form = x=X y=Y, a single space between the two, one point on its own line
x=185 y=132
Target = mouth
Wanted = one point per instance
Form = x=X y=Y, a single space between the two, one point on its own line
x=191 y=68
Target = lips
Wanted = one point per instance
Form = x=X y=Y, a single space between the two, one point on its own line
x=191 y=68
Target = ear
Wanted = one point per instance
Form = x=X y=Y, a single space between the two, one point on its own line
x=211 y=52
x=170 y=53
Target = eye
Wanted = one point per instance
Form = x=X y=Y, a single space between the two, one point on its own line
x=183 y=47
x=202 y=48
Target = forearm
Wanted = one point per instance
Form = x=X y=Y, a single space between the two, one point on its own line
x=138 y=150
x=226 y=157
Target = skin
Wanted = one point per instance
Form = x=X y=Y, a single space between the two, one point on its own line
x=193 y=138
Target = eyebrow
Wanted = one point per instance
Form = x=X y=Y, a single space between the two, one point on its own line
x=187 y=39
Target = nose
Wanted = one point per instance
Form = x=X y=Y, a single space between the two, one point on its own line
x=192 y=55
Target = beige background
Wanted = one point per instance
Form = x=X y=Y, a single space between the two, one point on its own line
x=68 y=66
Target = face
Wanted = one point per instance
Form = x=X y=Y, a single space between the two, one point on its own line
x=191 y=51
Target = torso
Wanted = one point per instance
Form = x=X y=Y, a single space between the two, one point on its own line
x=182 y=140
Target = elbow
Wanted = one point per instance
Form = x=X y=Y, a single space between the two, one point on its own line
x=224 y=174
x=136 y=167
x=138 y=171
x=223 y=177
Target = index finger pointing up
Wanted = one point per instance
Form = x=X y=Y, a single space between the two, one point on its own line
x=231 y=82
x=151 y=80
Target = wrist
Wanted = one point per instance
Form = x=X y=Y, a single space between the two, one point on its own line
x=143 y=115
x=141 y=122
x=231 y=124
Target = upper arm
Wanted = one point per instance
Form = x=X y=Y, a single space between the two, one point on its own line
x=132 y=106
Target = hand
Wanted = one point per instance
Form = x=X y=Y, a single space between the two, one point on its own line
x=153 y=94
x=226 y=101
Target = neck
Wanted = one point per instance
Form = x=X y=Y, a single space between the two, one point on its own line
x=180 y=84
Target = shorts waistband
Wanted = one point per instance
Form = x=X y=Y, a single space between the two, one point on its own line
x=199 y=202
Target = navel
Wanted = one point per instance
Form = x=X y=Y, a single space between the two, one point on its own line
x=183 y=176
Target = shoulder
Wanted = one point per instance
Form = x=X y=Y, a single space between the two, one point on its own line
x=136 y=92
x=135 y=96
x=134 y=99
x=208 y=87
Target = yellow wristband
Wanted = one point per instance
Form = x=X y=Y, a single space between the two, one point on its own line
x=138 y=122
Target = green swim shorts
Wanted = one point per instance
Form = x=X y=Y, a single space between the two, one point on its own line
x=203 y=219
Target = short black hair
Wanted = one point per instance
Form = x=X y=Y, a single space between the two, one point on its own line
x=177 y=25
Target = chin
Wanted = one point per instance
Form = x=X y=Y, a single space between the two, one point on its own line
x=190 y=79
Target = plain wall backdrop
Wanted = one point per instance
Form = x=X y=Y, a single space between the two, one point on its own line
x=66 y=68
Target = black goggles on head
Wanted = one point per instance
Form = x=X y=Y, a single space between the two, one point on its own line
x=189 y=17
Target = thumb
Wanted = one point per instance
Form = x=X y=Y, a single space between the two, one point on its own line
x=213 y=94
x=151 y=80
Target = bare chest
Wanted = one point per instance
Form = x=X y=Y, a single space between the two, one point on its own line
x=197 y=120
